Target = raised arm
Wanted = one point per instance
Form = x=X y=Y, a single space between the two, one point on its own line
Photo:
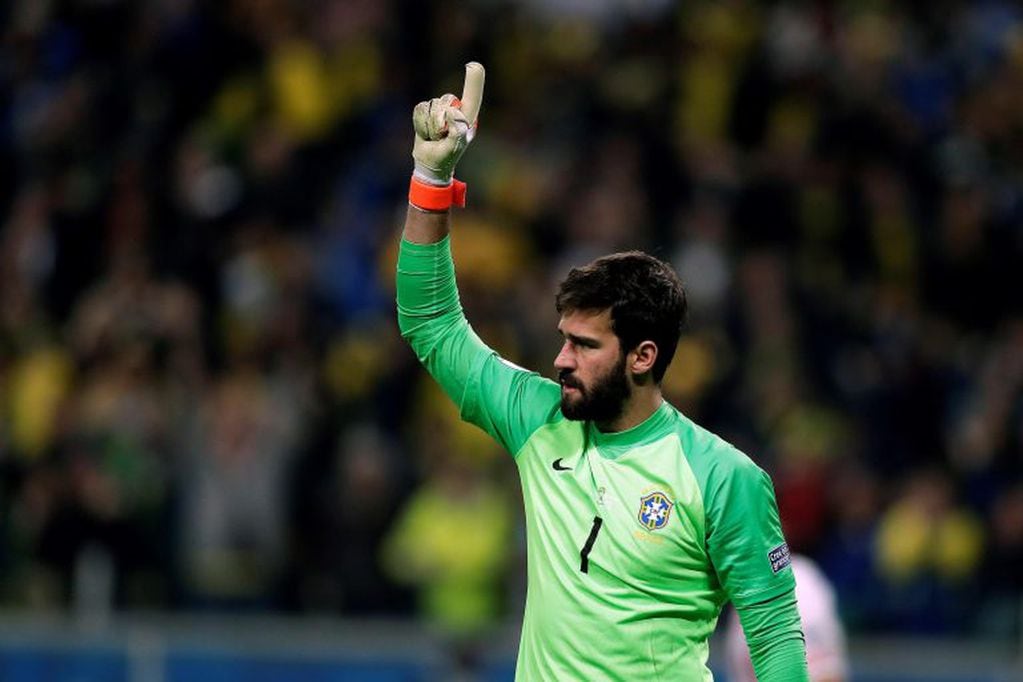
x=506 y=401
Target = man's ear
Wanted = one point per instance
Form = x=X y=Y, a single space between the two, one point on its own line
x=642 y=358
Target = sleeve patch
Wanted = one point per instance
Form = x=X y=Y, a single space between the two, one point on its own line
x=780 y=557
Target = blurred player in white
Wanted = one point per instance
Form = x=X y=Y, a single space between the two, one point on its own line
x=825 y=638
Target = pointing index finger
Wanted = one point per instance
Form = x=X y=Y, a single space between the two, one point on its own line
x=472 y=91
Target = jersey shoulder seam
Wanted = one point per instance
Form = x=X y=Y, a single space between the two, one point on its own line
x=555 y=418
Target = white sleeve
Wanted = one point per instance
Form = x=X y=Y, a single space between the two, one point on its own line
x=737 y=659
x=825 y=637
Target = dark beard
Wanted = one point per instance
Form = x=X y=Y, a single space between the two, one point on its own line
x=603 y=401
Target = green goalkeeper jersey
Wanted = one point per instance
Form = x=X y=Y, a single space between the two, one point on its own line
x=635 y=539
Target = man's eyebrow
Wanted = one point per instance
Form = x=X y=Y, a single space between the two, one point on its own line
x=580 y=340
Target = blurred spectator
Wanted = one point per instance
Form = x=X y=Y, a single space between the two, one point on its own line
x=929 y=553
x=452 y=543
x=826 y=655
x=348 y=507
x=1003 y=570
x=452 y=539
x=848 y=551
x=233 y=513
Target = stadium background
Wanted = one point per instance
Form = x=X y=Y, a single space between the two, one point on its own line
x=209 y=425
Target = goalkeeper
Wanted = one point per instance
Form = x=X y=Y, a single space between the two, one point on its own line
x=640 y=524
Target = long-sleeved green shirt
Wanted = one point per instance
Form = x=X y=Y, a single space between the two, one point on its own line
x=635 y=539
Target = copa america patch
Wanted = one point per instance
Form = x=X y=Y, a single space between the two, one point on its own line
x=654 y=510
x=780 y=557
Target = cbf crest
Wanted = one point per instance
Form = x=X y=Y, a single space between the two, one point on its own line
x=654 y=510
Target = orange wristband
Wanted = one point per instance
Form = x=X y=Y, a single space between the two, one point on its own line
x=436 y=198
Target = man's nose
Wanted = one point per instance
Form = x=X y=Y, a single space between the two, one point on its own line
x=565 y=359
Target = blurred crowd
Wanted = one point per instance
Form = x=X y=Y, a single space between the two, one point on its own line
x=204 y=401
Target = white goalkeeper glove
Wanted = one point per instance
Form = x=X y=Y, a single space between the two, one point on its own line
x=444 y=128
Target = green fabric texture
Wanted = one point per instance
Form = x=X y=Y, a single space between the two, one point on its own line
x=774 y=634
x=635 y=539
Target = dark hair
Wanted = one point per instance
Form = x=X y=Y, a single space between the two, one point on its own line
x=645 y=296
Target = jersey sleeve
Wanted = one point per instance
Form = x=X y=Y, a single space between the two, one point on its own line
x=752 y=561
x=744 y=536
x=775 y=637
x=506 y=401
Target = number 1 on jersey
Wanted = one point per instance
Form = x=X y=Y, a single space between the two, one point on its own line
x=584 y=555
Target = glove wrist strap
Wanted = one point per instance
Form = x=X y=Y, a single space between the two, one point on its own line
x=436 y=197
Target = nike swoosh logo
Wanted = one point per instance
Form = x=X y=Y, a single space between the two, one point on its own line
x=557 y=465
